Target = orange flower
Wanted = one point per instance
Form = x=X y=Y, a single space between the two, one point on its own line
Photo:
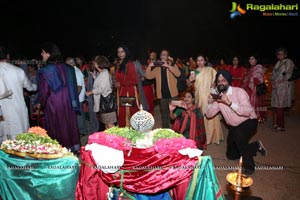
x=38 y=130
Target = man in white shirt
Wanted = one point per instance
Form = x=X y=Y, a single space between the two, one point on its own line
x=81 y=91
x=15 y=113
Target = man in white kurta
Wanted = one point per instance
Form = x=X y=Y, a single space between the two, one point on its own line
x=16 y=119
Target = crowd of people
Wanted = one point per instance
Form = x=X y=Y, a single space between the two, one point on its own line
x=66 y=96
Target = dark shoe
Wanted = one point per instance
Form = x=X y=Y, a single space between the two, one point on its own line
x=247 y=172
x=261 y=149
x=274 y=126
x=278 y=128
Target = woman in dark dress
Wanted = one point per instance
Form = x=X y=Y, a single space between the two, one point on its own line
x=57 y=95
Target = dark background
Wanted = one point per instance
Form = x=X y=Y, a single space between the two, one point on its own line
x=185 y=27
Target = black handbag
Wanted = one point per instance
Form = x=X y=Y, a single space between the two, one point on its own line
x=108 y=104
x=261 y=89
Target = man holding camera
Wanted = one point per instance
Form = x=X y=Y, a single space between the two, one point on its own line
x=165 y=75
x=234 y=104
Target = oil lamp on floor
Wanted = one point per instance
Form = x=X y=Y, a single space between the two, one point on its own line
x=239 y=182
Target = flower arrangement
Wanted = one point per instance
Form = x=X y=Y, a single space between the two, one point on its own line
x=37 y=130
x=110 y=140
x=172 y=145
x=163 y=140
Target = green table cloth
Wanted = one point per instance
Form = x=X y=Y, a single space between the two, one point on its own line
x=33 y=179
x=204 y=183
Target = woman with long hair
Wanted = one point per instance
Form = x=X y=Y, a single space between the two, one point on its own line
x=190 y=118
x=126 y=81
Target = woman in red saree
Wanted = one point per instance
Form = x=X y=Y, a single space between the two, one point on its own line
x=191 y=120
x=254 y=77
x=126 y=83
x=237 y=72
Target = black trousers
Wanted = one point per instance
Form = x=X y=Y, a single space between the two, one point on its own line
x=238 y=143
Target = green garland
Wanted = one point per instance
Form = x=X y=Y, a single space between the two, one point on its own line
x=125 y=132
x=165 y=134
x=134 y=135
x=32 y=138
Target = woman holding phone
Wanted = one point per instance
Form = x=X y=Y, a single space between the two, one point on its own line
x=190 y=118
x=203 y=80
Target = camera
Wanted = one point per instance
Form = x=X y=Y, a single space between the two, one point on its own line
x=176 y=103
x=158 y=63
x=215 y=96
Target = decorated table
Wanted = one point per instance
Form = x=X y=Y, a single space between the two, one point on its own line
x=36 y=167
x=129 y=166
x=199 y=182
x=141 y=163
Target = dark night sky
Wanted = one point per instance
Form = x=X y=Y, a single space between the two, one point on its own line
x=186 y=27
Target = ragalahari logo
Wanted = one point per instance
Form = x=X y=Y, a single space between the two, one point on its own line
x=236 y=10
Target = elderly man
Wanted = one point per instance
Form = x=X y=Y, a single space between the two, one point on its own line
x=166 y=83
x=234 y=104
